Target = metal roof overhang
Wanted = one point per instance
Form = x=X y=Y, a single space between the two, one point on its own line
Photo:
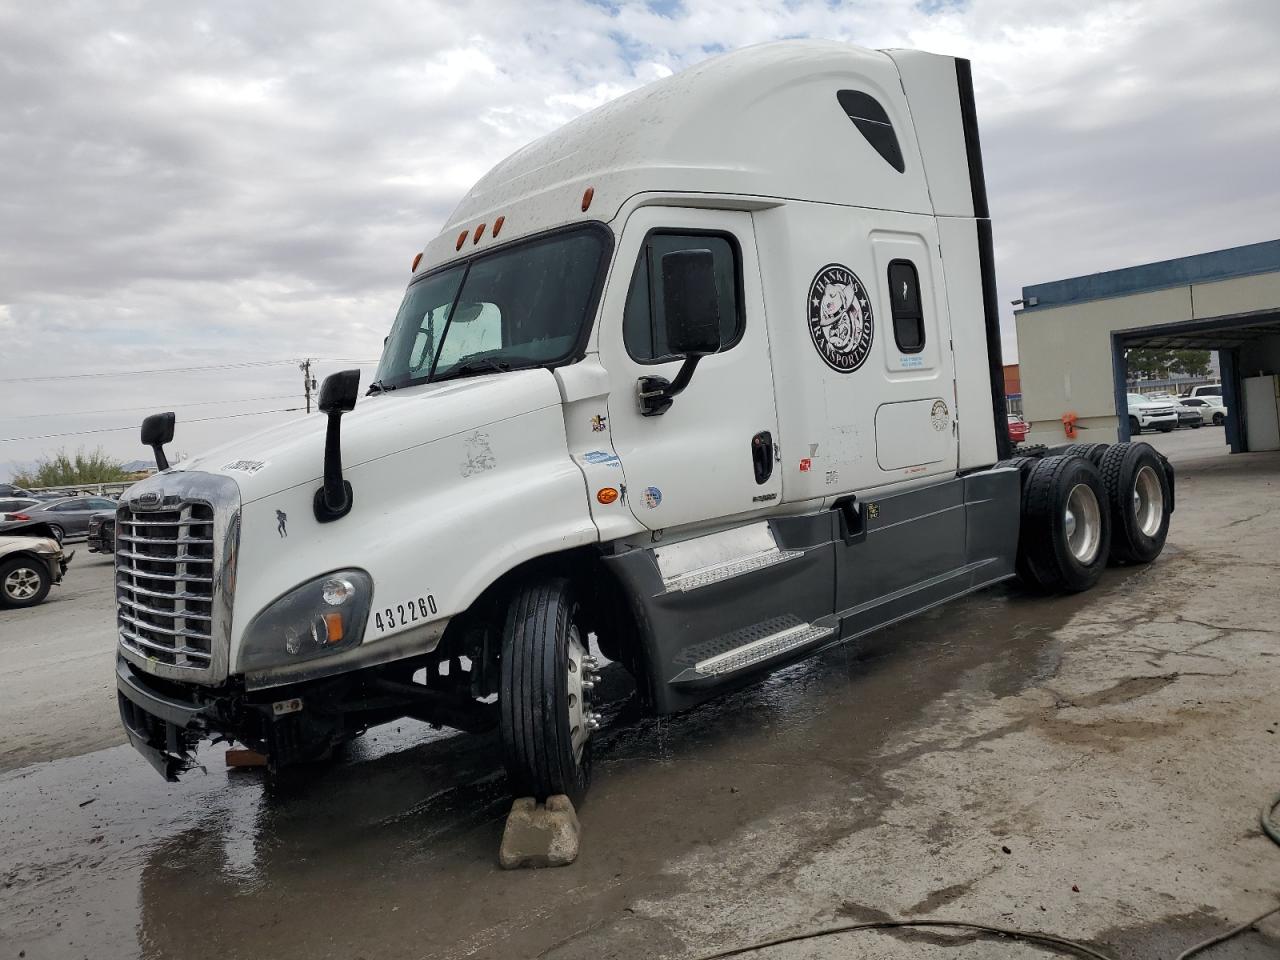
x=1216 y=333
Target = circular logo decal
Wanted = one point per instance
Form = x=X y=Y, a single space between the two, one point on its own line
x=652 y=496
x=840 y=319
x=940 y=416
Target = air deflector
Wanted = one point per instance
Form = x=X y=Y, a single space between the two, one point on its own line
x=874 y=124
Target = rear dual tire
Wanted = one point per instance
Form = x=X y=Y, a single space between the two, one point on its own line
x=1139 y=499
x=1065 y=533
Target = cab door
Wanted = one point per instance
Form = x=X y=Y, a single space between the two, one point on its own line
x=711 y=454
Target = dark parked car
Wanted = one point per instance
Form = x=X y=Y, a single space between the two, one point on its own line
x=102 y=532
x=16 y=504
x=58 y=518
x=9 y=490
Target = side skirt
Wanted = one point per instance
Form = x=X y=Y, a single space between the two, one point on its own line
x=719 y=611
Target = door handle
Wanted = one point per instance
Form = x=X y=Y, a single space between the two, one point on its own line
x=762 y=455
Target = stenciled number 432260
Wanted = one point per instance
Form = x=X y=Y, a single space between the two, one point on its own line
x=404 y=614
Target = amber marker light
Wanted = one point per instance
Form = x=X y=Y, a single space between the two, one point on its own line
x=587 y=198
x=607 y=495
x=478 y=234
x=333 y=624
x=462 y=238
x=497 y=226
x=416 y=260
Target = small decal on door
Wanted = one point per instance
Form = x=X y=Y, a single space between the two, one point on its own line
x=282 y=524
x=940 y=416
x=806 y=465
x=602 y=456
x=598 y=423
x=840 y=320
x=652 y=496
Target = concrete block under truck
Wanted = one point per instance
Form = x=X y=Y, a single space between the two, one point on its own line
x=711 y=374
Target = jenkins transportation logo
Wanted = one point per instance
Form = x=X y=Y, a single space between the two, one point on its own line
x=840 y=320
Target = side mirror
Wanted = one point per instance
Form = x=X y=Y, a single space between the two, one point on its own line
x=157 y=430
x=339 y=391
x=691 y=310
x=337 y=396
x=690 y=302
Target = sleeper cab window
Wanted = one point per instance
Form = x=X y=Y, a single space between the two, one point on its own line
x=643 y=324
x=874 y=124
x=908 y=314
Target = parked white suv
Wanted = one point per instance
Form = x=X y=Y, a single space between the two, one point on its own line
x=1145 y=413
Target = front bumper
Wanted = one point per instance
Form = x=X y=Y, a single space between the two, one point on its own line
x=163 y=729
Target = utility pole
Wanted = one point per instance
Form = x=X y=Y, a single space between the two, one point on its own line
x=308 y=381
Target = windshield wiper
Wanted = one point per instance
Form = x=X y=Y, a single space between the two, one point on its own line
x=473 y=365
x=378 y=387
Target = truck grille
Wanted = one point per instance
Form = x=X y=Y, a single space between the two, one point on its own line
x=175 y=574
x=164 y=583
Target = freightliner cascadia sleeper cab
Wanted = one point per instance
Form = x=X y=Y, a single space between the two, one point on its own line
x=711 y=374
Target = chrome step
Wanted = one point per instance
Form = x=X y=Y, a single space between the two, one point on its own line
x=763 y=649
x=706 y=576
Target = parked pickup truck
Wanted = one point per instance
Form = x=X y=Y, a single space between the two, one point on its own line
x=687 y=377
x=1147 y=414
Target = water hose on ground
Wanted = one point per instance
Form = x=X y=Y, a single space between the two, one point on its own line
x=1269 y=827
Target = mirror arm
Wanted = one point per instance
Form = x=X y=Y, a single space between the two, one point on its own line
x=333 y=500
x=656 y=394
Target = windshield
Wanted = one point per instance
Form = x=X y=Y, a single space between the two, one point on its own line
x=527 y=305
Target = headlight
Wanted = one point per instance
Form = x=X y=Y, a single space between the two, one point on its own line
x=321 y=617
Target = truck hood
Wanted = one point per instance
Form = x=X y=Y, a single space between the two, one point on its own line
x=292 y=453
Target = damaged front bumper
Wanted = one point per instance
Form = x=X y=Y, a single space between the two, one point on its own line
x=163 y=729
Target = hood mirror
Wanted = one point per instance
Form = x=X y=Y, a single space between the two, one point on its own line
x=157 y=430
x=338 y=395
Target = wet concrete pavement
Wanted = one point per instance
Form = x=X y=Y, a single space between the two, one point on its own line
x=1120 y=742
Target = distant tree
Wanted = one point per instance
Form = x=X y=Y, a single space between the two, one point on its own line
x=1194 y=363
x=1149 y=364
x=62 y=470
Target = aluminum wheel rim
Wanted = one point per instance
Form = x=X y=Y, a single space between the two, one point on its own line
x=1148 y=501
x=579 y=683
x=22 y=584
x=1083 y=522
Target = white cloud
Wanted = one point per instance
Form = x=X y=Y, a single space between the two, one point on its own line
x=202 y=182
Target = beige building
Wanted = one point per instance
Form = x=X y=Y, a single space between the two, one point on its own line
x=1073 y=335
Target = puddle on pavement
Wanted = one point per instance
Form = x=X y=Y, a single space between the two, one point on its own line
x=391 y=852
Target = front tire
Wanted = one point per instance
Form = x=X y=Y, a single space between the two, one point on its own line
x=1139 y=500
x=547 y=676
x=1135 y=428
x=23 y=582
x=57 y=532
x=1219 y=419
x=1065 y=532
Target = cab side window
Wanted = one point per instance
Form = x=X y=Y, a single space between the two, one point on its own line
x=908 y=311
x=644 y=329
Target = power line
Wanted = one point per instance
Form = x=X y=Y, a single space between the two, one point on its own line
x=150 y=406
x=80 y=433
x=230 y=365
x=140 y=373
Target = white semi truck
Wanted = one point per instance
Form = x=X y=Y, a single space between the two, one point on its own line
x=711 y=374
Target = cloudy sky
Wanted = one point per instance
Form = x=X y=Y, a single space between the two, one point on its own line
x=244 y=184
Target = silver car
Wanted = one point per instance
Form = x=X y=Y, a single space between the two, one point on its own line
x=29 y=566
x=58 y=519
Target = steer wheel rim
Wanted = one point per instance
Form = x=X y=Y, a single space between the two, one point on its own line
x=1148 y=501
x=22 y=584
x=1083 y=523
x=580 y=673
